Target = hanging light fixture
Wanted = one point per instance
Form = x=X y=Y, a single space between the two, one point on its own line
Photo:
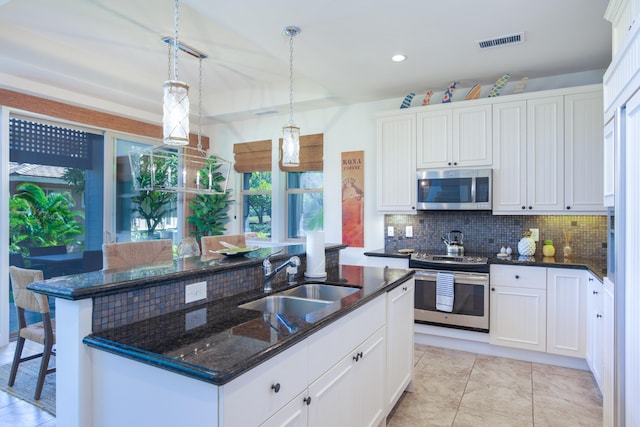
x=175 y=119
x=291 y=132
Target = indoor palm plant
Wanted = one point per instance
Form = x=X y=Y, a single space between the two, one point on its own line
x=210 y=211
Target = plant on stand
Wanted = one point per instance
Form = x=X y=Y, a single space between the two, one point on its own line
x=153 y=205
x=210 y=211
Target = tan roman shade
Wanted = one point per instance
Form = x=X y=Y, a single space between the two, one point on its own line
x=252 y=156
x=311 y=154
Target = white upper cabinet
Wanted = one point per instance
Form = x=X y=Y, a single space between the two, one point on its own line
x=583 y=144
x=450 y=137
x=545 y=147
x=396 y=166
x=609 y=156
x=547 y=153
x=510 y=156
x=622 y=15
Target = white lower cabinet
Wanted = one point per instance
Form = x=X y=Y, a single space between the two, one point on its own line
x=351 y=393
x=518 y=303
x=538 y=308
x=329 y=381
x=608 y=356
x=595 y=328
x=566 y=312
x=400 y=309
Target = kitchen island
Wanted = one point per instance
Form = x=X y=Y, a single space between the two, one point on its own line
x=122 y=334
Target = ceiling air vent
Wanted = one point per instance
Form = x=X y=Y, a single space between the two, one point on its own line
x=501 y=41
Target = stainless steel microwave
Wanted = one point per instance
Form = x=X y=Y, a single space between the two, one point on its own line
x=454 y=189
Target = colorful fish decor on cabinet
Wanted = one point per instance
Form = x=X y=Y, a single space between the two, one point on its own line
x=427 y=97
x=474 y=92
x=499 y=84
x=448 y=94
x=406 y=103
x=521 y=84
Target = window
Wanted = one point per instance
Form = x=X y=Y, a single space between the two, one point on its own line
x=141 y=215
x=256 y=204
x=304 y=196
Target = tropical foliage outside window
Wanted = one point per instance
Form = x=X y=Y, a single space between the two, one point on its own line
x=256 y=204
x=40 y=219
x=304 y=203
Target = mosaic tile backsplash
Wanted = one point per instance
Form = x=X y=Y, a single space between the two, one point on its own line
x=485 y=233
x=137 y=305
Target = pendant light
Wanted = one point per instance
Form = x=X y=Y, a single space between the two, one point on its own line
x=291 y=132
x=175 y=119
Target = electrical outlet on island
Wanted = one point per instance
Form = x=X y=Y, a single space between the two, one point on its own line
x=195 y=292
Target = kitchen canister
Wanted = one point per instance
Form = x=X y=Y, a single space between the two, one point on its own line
x=548 y=249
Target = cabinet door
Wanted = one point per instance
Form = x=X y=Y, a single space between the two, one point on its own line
x=396 y=166
x=608 y=182
x=509 y=157
x=608 y=355
x=545 y=154
x=265 y=389
x=435 y=139
x=566 y=312
x=472 y=145
x=583 y=147
x=332 y=399
x=595 y=327
x=400 y=304
x=518 y=317
x=369 y=391
x=293 y=414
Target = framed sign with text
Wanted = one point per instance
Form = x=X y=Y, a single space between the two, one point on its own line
x=353 y=198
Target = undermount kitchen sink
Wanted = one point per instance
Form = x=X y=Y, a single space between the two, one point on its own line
x=319 y=291
x=285 y=305
x=301 y=300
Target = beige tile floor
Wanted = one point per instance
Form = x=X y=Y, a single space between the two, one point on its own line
x=451 y=388
x=459 y=389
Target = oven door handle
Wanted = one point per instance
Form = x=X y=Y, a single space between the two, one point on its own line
x=459 y=277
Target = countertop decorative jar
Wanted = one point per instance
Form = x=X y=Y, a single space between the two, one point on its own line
x=548 y=250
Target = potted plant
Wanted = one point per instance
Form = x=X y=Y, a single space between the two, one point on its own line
x=153 y=205
x=210 y=211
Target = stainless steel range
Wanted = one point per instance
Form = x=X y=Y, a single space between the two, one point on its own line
x=470 y=307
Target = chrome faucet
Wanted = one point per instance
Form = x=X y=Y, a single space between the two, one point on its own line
x=293 y=263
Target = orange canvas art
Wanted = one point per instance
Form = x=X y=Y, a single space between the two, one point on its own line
x=353 y=198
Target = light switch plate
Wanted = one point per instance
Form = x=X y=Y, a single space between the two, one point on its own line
x=390 y=231
x=408 y=231
x=195 y=292
x=535 y=234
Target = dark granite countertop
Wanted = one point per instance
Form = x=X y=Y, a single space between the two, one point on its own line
x=388 y=253
x=597 y=266
x=233 y=340
x=106 y=282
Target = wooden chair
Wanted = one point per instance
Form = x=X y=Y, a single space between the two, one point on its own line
x=42 y=332
x=212 y=243
x=132 y=254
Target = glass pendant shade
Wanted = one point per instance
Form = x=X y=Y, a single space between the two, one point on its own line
x=175 y=120
x=290 y=146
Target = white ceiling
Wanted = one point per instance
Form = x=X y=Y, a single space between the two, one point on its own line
x=111 y=50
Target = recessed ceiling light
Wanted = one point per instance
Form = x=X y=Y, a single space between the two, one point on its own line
x=398 y=58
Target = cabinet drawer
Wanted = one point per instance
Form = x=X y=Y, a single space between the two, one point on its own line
x=252 y=398
x=331 y=344
x=519 y=276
